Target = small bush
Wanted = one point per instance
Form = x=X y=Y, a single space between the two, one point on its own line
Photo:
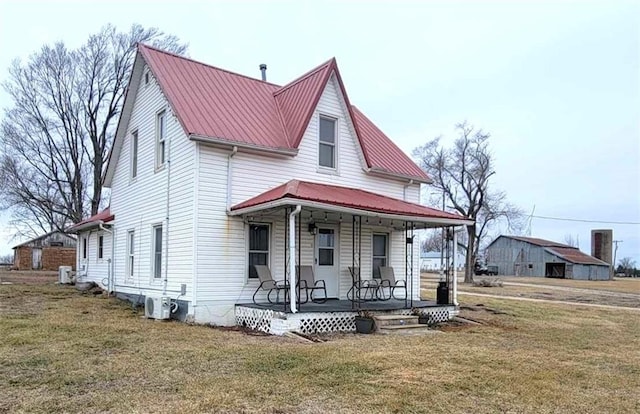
x=488 y=283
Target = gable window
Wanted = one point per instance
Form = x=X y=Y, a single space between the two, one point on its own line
x=100 y=246
x=258 y=247
x=157 y=251
x=161 y=132
x=84 y=247
x=134 y=154
x=327 y=143
x=130 y=253
x=380 y=253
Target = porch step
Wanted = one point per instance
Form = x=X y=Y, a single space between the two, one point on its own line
x=395 y=320
x=406 y=329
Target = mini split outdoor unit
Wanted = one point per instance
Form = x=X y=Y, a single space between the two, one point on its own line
x=157 y=307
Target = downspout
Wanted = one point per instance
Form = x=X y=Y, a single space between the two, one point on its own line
x=455 y=267
x=292 y=255
x=404 y=189
x=231 y=154
x=110 y=260
x=166 y=241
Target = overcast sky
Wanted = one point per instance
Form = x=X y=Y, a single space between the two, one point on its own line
x=555 y=83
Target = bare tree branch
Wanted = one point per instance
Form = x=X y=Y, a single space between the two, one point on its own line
x=463 y=173
x=56 y=136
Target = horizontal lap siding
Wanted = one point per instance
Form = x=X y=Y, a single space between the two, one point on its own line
x=142 y=203
x=95 y=270
x=221 y=240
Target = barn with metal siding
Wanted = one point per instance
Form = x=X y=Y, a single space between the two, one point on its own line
x=529 y=256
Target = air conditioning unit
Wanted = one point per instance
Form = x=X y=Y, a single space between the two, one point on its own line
x=157 y=307
x=64 y=275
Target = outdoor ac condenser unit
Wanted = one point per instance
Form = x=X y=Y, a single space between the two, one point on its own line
x=157 y=307
x=64 y=274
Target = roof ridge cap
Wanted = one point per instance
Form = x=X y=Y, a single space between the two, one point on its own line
x=303 y=77
x=155 y=49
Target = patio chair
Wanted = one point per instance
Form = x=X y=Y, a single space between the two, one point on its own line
x=309 y=284
x=388 y=280
x=269 y=284
x=360 y=288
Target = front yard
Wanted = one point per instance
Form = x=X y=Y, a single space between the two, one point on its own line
x=63 y=351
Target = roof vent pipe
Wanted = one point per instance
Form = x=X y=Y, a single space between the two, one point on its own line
x=263 y=69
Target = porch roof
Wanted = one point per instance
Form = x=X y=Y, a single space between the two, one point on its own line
x=347 y=200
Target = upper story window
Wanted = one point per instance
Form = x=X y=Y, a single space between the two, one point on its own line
x=161 y=134
x=327 y=143
x=134 y=155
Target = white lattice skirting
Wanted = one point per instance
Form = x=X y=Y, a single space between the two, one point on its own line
x=277 y=323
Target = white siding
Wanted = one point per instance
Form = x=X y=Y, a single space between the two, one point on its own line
x=273 y=171
x=221 y=241
x=142 y=203
x=92 y=268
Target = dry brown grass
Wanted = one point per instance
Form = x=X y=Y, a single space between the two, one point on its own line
x=618 y=284
x=63 y=351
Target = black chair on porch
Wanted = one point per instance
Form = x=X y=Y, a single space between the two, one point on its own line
x=310 y=285
x=361 y=288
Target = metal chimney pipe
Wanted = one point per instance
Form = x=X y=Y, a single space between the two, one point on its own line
x=263 y=69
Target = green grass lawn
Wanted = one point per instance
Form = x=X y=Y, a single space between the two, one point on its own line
x=63 y=351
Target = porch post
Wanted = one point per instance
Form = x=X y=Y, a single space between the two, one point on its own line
x=455 y=267
x=292 y=260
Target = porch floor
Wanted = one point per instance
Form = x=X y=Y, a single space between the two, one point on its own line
x=341 y=305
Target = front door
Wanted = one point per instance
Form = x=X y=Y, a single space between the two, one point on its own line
x=326 y=259
x=36 y=256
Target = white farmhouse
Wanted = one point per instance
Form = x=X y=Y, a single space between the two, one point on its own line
x=213 y=173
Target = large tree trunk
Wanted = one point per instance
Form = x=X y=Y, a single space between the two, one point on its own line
x=471 y=257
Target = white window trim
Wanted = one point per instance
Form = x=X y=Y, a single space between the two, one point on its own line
x=98 y=258
x=247 y=245
x=134 y=133
x=129 y=269
x=336 y=145
x=160 y=113
x=154 y=226
x=387 y=247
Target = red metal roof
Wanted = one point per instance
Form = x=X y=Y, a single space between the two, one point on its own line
x=215 y=103
x=344 y=197
x=104 y=216
x=573 y=255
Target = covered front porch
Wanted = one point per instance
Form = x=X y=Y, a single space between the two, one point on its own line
x=332 y=252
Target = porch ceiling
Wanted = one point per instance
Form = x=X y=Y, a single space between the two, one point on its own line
x=324 y=197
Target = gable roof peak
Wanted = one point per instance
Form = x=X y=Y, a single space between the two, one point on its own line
x=329 y=64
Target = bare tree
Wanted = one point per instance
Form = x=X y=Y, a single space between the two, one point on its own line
x=56 y=136
x=432 y=241
x=463 y=173
x=6 y=258
x=569 y=240
x=626 y=265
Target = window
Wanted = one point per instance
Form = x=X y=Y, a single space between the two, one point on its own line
x=327 y=143
x=161 y=126
x=130 y=253
x=258 y=247
x=100 y=246
x=326 y=246
x=157 y=251
x=134 y=154
x=380 y=253
x=146 y=78
x=84 y=247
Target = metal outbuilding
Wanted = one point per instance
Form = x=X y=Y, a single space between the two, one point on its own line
x=529 y=256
